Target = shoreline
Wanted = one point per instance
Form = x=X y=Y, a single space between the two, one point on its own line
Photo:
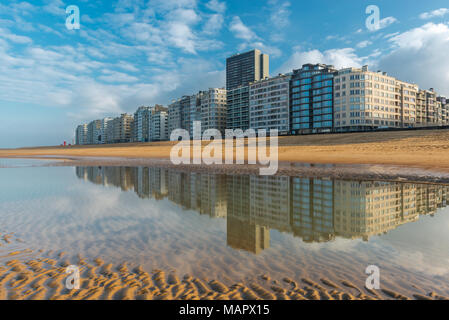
x=42 y=276
x=423 y=151
x=367 y=172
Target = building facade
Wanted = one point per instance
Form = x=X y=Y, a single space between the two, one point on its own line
x=179 y=113
x=241 y=70
x=81 y=134
x=311 y=99
x=120 y=129
x=366 y=100
x=158 y=129
x=269 y=104
x=237 y=114
x=213 y=109
x=141 y=124
x=93 y=132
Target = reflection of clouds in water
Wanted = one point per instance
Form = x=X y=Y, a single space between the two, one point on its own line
x=418 y=262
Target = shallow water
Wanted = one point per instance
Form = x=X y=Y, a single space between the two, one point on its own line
x=233 y=228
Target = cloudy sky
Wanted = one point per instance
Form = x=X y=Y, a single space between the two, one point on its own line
x=129 y=53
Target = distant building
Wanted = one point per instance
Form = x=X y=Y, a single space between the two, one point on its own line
x=102 y=134
x=269 y=104
x=141 y=124
x=213 y=109
x=430 y=109
x=158 y=129
x=311 y=99
x=444 y=110
x=93 y=130
x=208 y=107
x=241 y=70
x=179 y=113
x=81 y=134
x=121 y=129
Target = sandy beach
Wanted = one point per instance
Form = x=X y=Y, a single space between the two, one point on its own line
x=425 y=149
x=28 y=275
x=41 y=274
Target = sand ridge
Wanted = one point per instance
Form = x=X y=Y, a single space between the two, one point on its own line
x=43 y=276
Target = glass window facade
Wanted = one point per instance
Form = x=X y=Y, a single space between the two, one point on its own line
x=311 y=106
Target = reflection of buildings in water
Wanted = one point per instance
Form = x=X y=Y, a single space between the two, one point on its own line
x=242 y=230
x=270 y=201
x=312 y=209
x=245 y=235
x=315 y=210
x=364 y=209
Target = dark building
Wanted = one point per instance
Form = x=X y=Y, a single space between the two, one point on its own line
x=311 y=99
x=241 y=70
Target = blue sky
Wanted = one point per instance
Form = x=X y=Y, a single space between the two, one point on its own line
x=129 y=53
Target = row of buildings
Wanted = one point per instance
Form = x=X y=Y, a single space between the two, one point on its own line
x=315 y=210
x=314 y=99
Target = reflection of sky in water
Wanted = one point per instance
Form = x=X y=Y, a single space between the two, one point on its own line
x=18 y=163
x=212 y=226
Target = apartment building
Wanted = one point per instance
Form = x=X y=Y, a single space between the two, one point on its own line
x=141 y=124
x=428 y=109
x=269 y=104
x=120 y=129
x=311 y=99
x=444 y=110
x=237 y=114
x=366 y=100
x=208 y=107
x=179 y=114
x=241 y=70
x=158 y=128
x=93 y=130
x=81 y=134
x=213 y=109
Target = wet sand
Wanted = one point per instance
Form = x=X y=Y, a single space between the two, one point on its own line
x=28 y=275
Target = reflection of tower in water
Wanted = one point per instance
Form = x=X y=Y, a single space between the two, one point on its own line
x=242 y=233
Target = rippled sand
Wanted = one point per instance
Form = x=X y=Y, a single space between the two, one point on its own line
x=42 y=276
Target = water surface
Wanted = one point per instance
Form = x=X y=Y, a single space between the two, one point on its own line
x=233 y=227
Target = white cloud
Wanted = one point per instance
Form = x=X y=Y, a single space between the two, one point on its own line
x=364 y=44
x=280 y=14
x=421 y=55
x=339 y=58
x=217 y=6
x=270 y=50
x=117 y=77
x=241 y=31
x=387 y=22
x=435 y=13
x=214 y=24
x=55 y=7
x=6 y=34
